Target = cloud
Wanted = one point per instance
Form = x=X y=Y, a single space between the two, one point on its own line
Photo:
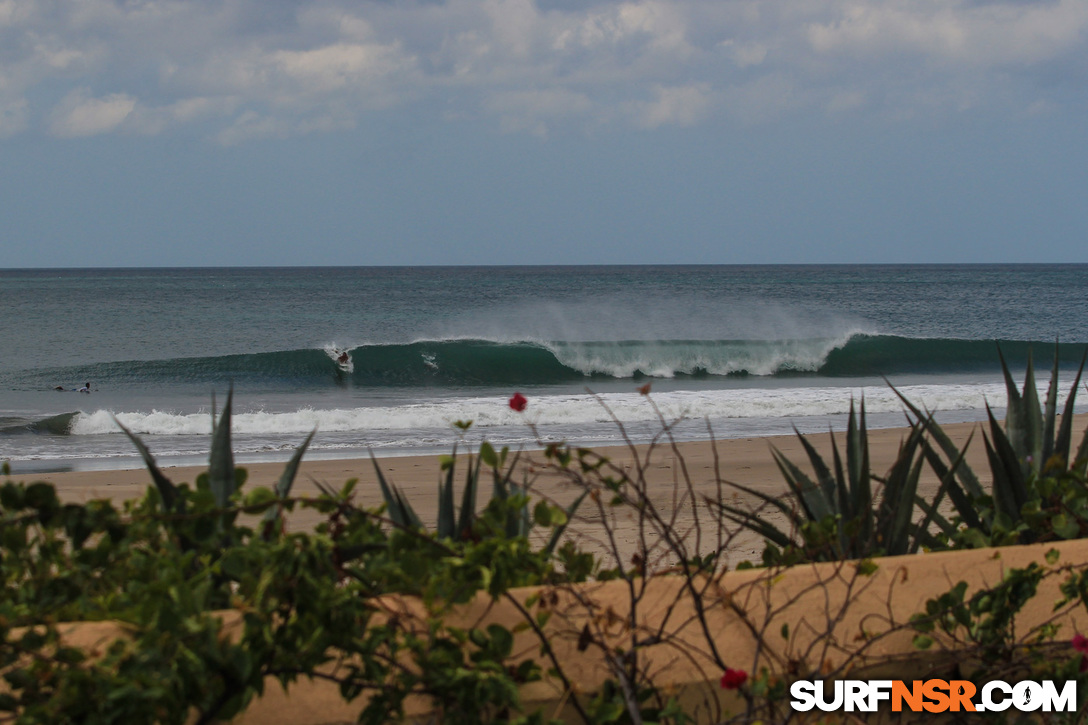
x=13 y=117
x=676 y=106
x=997 y=33
x=80 y=115
x=280 y=67
x=338 y=67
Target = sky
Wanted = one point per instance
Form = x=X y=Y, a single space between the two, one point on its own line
x=372 y=132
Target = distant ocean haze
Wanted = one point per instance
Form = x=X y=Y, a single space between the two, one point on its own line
x=388 y=358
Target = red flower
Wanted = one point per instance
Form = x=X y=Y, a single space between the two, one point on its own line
x=1080 y=644
x=732 y=679
x=518 y=402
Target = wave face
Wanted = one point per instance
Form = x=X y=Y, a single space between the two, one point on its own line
x=53 y=425
x=476 y=362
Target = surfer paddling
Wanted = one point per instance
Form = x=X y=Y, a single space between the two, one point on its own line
x=85 y=389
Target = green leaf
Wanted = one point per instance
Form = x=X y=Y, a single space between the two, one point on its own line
x=167 y=490
x=467 y=518
x=560 y=527
x=1033 y=421
x=542 y=514
x=258 y=497
x=1010 y=486
x=1065 y=527
x=922 y=641
x=502 y=642
x=447 y=521
x=808 y=494
x=287 y=478
x=867 y=567
x=221 y=459
x=400 y=511
x=1065 y=431
x=964 y=474
x=487 y=455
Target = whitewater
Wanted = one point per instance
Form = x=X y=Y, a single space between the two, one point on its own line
x=387 y=360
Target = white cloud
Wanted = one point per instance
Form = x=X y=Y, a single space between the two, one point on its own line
x=976 y=34
x=677 y=106
x=250 y=126
x=13 y=12
x=749 y=54
x=81 y=115
x=334 y=67
x=278 y=68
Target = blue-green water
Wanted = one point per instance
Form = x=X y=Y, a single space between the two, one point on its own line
x=751 y=350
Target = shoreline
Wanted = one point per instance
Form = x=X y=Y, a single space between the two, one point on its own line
x=666 y=468
x=701 y=468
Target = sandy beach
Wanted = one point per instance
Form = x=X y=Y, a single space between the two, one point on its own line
x=667 y=470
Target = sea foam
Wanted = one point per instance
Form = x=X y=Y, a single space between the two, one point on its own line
x=569 y=409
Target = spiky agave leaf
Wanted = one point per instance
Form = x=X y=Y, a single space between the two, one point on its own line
x=828 y=485
x=221 y=478
x=894 y=519
x=447 y=516
x=1032 y=454
x=1021 y=414
x=947 y=484
x=857 y=467
x=966 y=477
x=468 y=496
x=400 y=511
x=1065 y=431
x=287 y=479
x=1050 y=414
x=500 y=480
x=750 y=521
x=518 y=523
x=1010 y=489
x=961 y=498
x=167 y=489
x=811 y=496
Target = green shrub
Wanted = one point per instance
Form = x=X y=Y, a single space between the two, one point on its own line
x=167 y=567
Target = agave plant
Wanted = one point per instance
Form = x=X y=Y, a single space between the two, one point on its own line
x=223 y=479
x=839 y=514
x=1037 y=490
x=459 y=525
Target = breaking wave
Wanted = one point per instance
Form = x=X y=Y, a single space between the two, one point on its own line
x=468 y=362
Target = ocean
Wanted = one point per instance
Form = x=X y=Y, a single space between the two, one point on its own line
x=729 y=351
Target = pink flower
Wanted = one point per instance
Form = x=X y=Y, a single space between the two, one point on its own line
x=1080 y=644
x=732 y=679
x=518 y=402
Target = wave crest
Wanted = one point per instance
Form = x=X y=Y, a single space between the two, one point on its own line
x=468 y=362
